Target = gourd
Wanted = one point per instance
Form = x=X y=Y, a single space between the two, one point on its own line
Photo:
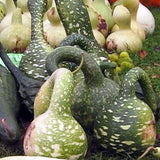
x=75 y=19
x=55 y=133
x=33 y=59
x=28 y=158
x=118 y=41
x=54 y=27
x=27 y=87
x=127 y=124
x=2 y=10
x=145 y=19
x=90 y=93
x=9 y=108
x=16 y=36
x=132 y=6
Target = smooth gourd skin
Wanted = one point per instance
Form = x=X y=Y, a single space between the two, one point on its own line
x=56 y=133
x=9 y=107
x=33 y=60
x=92 y=92
x=127 y=124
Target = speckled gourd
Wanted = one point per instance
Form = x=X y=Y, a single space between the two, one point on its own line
x=27 y=87
x=75 y=19
x=89 y=94
x=33 y=59
x=9 y=107
x=56 y=133
x=127 y=124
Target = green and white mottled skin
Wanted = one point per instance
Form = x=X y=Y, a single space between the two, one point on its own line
x=28 y=158
x=56 y=133
x=33 y=60
x=92 y=92
x=75 y=19
x=127 y=124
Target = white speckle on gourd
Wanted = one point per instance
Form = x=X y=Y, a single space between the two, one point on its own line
x=117 y=119
x=128 y=142
x=125 y=127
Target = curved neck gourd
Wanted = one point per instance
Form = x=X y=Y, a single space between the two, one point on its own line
x=75 y=19
x=91 y=71
x=129 y=86
x=10 y=6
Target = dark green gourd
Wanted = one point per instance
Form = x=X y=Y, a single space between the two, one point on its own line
x=92 y=92
x=55 y=133
x=27 y=87
x=33 y=60
x=75 y=19
x=127 y=124
x=9 y=107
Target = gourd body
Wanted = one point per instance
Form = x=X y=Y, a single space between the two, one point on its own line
x=16 y=37
x=9 y=108
x=56 y=133
x=33 y=59
x=92 y=92
x=127 y=124
x=118 y=40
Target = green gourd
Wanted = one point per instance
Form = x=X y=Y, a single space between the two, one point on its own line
x=90 y=93
x=127 y=124
x=9 y=107
x=33 y=59
x=75 y=19
x=27 y=87
x=55 y=133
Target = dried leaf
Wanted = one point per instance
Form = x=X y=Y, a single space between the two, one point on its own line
x=142 y=54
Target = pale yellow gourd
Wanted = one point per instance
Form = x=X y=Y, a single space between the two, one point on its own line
x=123 y=39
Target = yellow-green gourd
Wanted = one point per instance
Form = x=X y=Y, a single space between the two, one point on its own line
x=16 y=36
x=55 y=133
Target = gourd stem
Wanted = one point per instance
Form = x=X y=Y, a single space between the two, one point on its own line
x=129 y=85
x=91 y=71
x=80 y=66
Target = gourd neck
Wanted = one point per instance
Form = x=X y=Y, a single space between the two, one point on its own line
x=10 y=6
x=91 y=70
x=17 y=16
x=62 y=92
x=129 y=85
x=37 y=9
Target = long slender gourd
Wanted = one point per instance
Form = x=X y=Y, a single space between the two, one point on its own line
x=127 y=124
x=56 y=133
x=89 y=94
x=9 y=107
x=75 y=19
x=27 y=87
x=33 y=59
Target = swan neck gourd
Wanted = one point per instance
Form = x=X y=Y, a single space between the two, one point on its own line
x=129 y=86
x=92 y=73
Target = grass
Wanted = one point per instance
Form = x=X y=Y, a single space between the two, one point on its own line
x=151 y=64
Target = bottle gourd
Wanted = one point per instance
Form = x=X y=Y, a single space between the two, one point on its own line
x=56 y=133
x=127 y=124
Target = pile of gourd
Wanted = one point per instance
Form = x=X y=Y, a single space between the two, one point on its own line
x=66 y=78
